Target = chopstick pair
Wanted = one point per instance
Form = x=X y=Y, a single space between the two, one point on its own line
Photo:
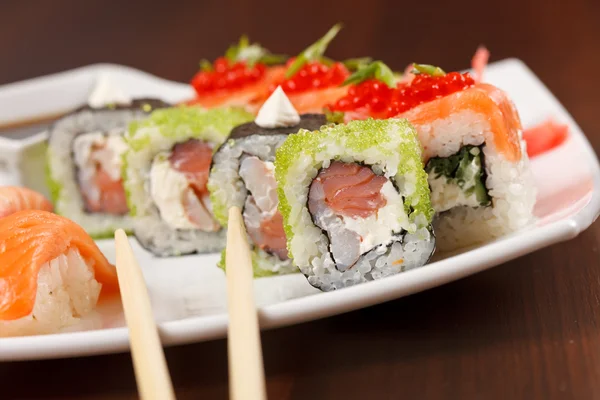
x=246 y=370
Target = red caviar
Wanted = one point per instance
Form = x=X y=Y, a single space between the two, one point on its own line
x=314 y=75
x=381 y=101
x=227 y=75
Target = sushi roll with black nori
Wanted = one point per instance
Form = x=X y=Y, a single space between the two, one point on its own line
x=166 y=170
x=243 y=175
x=84 y=165
x=355 y=202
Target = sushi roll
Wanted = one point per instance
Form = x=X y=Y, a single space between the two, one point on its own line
x=482 y=186
x=355 y=202
x=84 y=165
x=14 y=199
x=51 y=274
x=478 y=169
x=243 y=175
x=166 y=170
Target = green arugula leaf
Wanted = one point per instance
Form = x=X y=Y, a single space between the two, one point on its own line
x=273 y=59
x=252 y=53
x=427 y=69
x=313 y=52
x=375 y=70
x=205 y=65
x=354 y=64
x=334 y=117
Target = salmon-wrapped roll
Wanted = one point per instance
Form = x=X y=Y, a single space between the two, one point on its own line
x=166 y=171
x=481 y=183
x=243 y=175
x=355 y=202
x=84 y=165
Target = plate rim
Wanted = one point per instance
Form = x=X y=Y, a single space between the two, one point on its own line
x=184 y=331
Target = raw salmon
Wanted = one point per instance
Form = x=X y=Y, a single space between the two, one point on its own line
x=13 y=199
x=32 y=238
x=111 y=195
x=481 y=99
x=314 y=101
x=193 y=158
x=351 y=189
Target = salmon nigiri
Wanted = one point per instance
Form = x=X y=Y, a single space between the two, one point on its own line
x=14 y=198
x=51 y=273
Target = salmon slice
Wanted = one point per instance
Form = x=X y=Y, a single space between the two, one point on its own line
x=483 y=99
x=273 y=236
x=13 y=199
x=352 y=190
x=32 y=238
x=314 y=101
x=111 y=198
x=193 y=158
x=251 y=96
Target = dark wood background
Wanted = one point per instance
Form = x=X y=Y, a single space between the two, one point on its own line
x=529 y=329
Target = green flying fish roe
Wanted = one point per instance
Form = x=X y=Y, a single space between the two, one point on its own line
x=358 y=136
x=185 y=122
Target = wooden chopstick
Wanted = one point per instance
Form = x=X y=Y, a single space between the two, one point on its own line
x=246 y=370
x=149 y=362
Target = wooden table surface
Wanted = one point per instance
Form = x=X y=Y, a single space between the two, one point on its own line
x=529 y=329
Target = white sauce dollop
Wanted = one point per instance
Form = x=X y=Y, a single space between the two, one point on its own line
x=167 y=187
x=105 y=92
x=277 y=112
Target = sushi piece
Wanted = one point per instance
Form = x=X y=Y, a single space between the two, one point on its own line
x=240 y=78
x=482 y=186
x=84 y=165
x=355 y=202
x=51 y=274
x=481 y=183
x=14 y=199
x=242 y=175
x=166 y=170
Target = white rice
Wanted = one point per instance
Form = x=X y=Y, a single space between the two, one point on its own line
x=67 y=292
x=510 y=184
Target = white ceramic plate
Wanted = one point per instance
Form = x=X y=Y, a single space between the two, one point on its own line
x=188 y=293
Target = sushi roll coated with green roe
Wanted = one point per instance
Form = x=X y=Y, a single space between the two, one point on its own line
x=165 y=173
x=355 y=202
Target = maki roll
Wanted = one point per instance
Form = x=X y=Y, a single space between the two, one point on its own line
x=481 y=183
x=478 y=169
x=243 y=175
x=84 y=165
x=355 y=202
x=52 y=274
x=166 y=171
